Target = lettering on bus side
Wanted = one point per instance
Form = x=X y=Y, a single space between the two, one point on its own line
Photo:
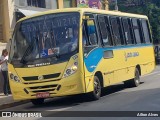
x=131 y=55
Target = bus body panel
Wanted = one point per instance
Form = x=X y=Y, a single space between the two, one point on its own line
x=73 y=84
x=122 y=66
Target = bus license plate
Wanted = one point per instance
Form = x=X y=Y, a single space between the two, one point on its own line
x=43 y=95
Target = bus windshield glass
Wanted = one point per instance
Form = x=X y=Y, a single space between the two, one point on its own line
x=47 y=36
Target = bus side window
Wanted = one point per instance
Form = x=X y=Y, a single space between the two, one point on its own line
x=84 y=37
x=106 y=39
x=116 y=30
x=109 y=29
x=91 y=30
x=127 y=31
x=121 y=31
x=145 y=28
x=136 y=30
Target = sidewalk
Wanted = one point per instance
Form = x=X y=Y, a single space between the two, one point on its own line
x=7 y=101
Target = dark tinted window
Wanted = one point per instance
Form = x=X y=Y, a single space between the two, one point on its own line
x=115 y=30
x=104 y=31
x=136 y=29
x=127 y=31
x=146 y=31
x=37 y=3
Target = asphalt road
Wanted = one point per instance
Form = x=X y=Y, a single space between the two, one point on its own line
x=145 y=97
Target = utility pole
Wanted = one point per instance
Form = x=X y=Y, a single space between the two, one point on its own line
x=116 y=5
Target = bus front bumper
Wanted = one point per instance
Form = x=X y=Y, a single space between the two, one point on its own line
x=63 y=87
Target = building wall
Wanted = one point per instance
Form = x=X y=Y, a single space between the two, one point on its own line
x=5 y=20
x=11 y=6
x=8 y=8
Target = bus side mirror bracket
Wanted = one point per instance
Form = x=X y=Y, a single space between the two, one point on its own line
x=108 y=54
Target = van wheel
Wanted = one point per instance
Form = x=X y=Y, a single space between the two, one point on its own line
x=135 y=82
x=96 y=93
x=37 y=101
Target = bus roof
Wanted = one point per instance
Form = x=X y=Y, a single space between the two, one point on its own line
x=89 y=10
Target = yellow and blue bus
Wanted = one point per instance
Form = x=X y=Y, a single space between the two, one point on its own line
x=76 y=51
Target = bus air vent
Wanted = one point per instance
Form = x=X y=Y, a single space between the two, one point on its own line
x=49 y=76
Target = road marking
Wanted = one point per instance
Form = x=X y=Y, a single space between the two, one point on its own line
x=151 y=74
x=60 y=109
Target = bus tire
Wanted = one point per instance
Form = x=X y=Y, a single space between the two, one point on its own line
x=135 y=82
x=96 y=93
x=39 y=101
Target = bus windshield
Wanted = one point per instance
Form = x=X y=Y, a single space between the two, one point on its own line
x=46 y=36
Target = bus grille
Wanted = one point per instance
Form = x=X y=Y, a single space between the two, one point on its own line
x=33 y=78
x=47 y=88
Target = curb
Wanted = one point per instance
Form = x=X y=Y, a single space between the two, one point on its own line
x=13 y=104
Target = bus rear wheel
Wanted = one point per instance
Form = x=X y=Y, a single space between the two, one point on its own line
x=37 y=101
x=135 y=82
x=96 y=93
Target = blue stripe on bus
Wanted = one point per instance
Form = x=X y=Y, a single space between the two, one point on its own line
x=94 y=57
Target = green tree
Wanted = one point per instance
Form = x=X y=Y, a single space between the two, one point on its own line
x=151 y=8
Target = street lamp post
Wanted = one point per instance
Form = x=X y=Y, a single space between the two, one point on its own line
x=116 y=5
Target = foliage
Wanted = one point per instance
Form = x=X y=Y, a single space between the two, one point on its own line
x=151 y=8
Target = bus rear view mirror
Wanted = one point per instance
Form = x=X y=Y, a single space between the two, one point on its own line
x=108 y=54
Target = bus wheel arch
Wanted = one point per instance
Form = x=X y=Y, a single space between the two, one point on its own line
x=100 y=76
x=139 y=69
x=97 y=86
x=135 y=82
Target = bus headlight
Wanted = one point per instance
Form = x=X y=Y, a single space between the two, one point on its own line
x=14 y=77
x=11 y=76
x=71 y=70
x=74 y=68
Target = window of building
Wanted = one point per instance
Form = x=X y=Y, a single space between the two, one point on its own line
x=127 y=31
x=67 y=3
x=106 y=37
x=136 y=29
x=36 y=3
x=146 y=31
x=116 y=31
x=22 y=2
x=54 y=4
x=49 y=4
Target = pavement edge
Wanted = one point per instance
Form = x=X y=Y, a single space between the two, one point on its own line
x=13 y=104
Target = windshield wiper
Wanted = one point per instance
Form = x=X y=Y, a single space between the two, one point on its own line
x=28 y=50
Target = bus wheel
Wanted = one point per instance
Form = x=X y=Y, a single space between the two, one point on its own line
x=96 y=93
x=135 y=81
x=37 y=101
